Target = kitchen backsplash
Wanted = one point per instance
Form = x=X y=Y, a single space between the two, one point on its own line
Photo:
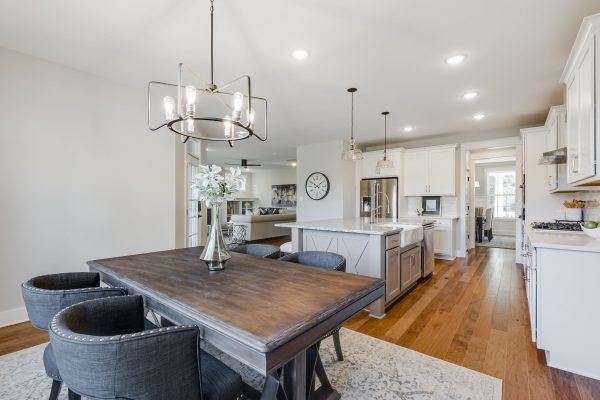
x=449 y=205
x=591 y=211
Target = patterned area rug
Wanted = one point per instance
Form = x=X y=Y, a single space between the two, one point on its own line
x=372 y=369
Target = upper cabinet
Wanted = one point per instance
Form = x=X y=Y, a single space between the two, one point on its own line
x=582 y=80
x=430 y=171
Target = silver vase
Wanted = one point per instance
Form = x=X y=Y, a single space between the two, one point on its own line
x=215 y=252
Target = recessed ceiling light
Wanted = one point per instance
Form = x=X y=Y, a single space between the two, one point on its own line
x=293 y=164
x=457 y=59
x=408 y=129
x=300 y=54
x=479 y=116
x=470 y=95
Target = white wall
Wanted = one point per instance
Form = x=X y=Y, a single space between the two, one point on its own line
x=341 y=199
x=264 y=177
x=81 y=176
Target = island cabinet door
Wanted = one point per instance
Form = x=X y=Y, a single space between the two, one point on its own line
x=392 y=274
x=415 y=265
x=405 y=270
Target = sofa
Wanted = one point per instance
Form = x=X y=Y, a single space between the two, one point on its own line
x=263 y=226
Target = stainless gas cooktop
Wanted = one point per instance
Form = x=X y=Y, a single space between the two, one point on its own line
x=557 y=226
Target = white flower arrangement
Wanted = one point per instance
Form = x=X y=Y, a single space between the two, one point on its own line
x=214 y=188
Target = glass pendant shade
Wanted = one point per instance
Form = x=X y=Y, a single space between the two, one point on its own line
x=352 y=153
x=384 y=163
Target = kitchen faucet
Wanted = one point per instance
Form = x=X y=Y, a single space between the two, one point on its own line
x=374 y=210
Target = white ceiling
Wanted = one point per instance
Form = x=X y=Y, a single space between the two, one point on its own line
x=393 y=51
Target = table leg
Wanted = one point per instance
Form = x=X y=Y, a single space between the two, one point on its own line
x=294 y=378
x=271 y=387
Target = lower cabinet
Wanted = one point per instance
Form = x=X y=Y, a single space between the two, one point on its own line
x=392 y=272
x=403 y=269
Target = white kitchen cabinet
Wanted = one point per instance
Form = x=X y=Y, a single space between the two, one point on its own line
x=552 y=144
x=562 y=297
x=582 y=80
x=442 y=241
x=430 y=171
x=416 y=173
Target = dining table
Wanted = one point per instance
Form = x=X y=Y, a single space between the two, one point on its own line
x=267 y=314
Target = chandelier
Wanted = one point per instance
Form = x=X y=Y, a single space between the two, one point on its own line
x=352 y=153
x=225 y=113
x=384 y=162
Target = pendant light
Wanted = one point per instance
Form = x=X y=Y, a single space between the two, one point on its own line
x=352 y=153
x=175 y=105
x=384 y=162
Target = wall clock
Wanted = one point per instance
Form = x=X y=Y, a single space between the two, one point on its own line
x=317 y=186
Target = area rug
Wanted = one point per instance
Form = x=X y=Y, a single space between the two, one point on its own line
x=499 y=241
x=372 y=369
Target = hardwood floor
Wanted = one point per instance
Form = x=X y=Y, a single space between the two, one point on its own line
x=473 y=312
x=20 y=336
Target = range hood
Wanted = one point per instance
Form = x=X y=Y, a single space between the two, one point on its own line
x=558 y=156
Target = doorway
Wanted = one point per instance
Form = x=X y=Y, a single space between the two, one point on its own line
x=494 y=188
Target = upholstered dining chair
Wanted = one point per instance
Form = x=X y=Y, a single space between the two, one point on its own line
x=489 y=223
x=46 y=295
x=103 y=352
x=258 y=250
x=326 y=260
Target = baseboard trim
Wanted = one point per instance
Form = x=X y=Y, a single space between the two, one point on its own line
x=14 y=316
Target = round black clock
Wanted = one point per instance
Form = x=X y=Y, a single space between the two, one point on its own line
x=317 y=186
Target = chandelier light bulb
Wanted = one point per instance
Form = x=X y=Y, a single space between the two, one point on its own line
x=190 y=95
x=190 y=125
x=227 y=126
x=251 y=118
x=238 y=101
x=169 y=104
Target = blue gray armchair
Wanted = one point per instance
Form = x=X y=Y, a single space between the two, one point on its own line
x=258 y=250
x=46 y=295
x=326 y=260
x=103 y=352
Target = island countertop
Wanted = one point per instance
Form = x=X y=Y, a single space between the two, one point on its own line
x=350 y=225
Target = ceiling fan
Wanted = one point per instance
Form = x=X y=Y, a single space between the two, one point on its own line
x=244 y=164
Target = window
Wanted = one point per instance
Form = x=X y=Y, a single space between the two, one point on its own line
x=501 y=192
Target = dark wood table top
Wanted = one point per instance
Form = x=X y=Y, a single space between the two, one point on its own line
x=260 y=302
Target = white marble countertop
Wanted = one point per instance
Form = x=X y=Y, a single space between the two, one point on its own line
x=352 y=225
x=434 y=217
x=562 y=240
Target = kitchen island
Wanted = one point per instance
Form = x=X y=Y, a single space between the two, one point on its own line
x=561 y=272
x=382 y=248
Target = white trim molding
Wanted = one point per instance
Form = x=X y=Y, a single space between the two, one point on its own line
x=14 y=316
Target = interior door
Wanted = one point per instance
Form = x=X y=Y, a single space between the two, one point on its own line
x=416 y=173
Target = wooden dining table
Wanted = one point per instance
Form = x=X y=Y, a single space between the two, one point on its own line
x=265 y=313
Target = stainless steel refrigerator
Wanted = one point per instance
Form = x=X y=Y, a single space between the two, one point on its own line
x=379 y=195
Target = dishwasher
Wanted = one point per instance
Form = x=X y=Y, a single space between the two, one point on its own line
x=428 y=260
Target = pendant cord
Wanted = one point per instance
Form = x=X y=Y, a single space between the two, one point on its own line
x=352 y=120
x=212 y=9
x=385 y=114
